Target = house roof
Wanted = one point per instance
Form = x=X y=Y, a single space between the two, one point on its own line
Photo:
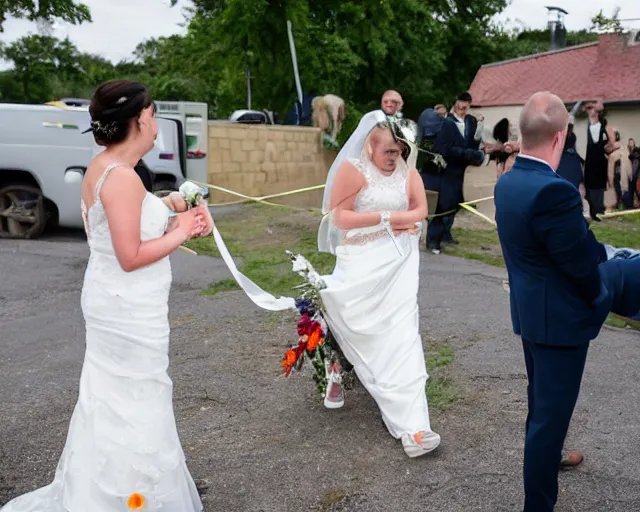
x=608 y=69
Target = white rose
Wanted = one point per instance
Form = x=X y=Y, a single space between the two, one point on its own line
x=300 y=264
x=191 y=193
x=315 y=279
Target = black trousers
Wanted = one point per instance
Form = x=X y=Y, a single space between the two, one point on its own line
x=449 y=197
x=595 y=198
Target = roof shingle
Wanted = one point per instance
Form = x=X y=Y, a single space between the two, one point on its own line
x=607 y=69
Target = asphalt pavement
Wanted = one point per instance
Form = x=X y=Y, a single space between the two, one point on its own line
x=265 y=443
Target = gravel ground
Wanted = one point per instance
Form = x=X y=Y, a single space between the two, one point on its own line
x=264 y=443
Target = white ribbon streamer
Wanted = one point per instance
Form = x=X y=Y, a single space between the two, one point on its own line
x=259 y=297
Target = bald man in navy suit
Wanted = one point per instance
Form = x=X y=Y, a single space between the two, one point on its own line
x=560 y=290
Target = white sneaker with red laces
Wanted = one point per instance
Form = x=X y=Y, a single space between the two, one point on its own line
x=334 y=397
x=421 y=443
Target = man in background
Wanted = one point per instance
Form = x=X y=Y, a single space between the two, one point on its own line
x=457 y=144
x=391 y=103
x=600 y=141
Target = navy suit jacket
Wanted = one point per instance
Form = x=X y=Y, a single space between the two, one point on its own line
x=557 y=295
x=458 y=151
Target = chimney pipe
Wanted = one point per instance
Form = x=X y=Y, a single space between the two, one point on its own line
x=557 y=30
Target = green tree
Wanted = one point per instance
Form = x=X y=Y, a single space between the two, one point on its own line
x=602 y=23
x=38 y=61
x=68 y=10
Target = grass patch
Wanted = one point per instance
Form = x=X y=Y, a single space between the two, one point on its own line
x=477 y=244
x=440 y=356
x=257 y=237
x=441 y=391
x=482 y=244
x=619 y=231
x=221 y=286
x=333 y=497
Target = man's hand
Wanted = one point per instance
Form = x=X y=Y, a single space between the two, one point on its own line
x=492 y=148
x=512 y=147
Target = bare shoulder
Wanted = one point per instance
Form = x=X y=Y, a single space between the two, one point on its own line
x=351 y=171
x=414 y=174
x=122 y=181
x=352 y=165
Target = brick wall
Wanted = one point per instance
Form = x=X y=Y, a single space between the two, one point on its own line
x=258 y=160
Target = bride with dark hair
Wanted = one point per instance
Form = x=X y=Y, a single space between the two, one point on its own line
x=122 y=450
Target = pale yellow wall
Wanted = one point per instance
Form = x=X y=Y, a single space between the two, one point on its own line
x=479 y=181
x=259 y=160
x=625 y=119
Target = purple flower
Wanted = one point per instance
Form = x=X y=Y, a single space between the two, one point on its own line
x=305 y=306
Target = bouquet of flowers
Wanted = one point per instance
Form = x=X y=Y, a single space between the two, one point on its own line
x=192 y=193
x=315 y=342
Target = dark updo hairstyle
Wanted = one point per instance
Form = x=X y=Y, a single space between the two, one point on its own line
x=113 y=106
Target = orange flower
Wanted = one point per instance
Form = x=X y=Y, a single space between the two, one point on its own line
x=314 y=340
x=136 y=501
x=289 y=358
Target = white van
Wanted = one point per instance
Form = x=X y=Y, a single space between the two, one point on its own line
x=43 y=156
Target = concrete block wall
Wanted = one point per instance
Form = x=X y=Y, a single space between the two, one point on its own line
x=258 y=160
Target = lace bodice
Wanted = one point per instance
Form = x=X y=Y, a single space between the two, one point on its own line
x=383 y=193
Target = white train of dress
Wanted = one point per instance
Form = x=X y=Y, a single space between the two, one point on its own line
x=122 y=437
x=371 y=301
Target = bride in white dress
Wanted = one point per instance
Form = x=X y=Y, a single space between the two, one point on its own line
x=376 y=206
x=122 y=450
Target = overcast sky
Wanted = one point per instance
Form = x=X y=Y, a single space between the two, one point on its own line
x=119 y=25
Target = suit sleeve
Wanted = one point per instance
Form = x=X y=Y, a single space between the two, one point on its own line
x=445 y=144
x=559 y=223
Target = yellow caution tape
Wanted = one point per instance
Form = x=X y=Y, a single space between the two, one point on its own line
x=481 y=215
x=263 y=199
x=617 y=214
x=260 y=199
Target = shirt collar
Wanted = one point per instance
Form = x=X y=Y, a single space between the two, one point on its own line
x=539 y=160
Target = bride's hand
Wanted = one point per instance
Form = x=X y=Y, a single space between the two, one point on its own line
x=207 y=219
x=190 y=223
x=176 y=202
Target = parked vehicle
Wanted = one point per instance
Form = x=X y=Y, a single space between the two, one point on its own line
x=44 y=154
x=193 y=127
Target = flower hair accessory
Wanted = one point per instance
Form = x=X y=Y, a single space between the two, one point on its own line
x=104 y=129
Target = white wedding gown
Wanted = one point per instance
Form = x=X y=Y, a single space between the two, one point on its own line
x=122 y=437
x=371 y=301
